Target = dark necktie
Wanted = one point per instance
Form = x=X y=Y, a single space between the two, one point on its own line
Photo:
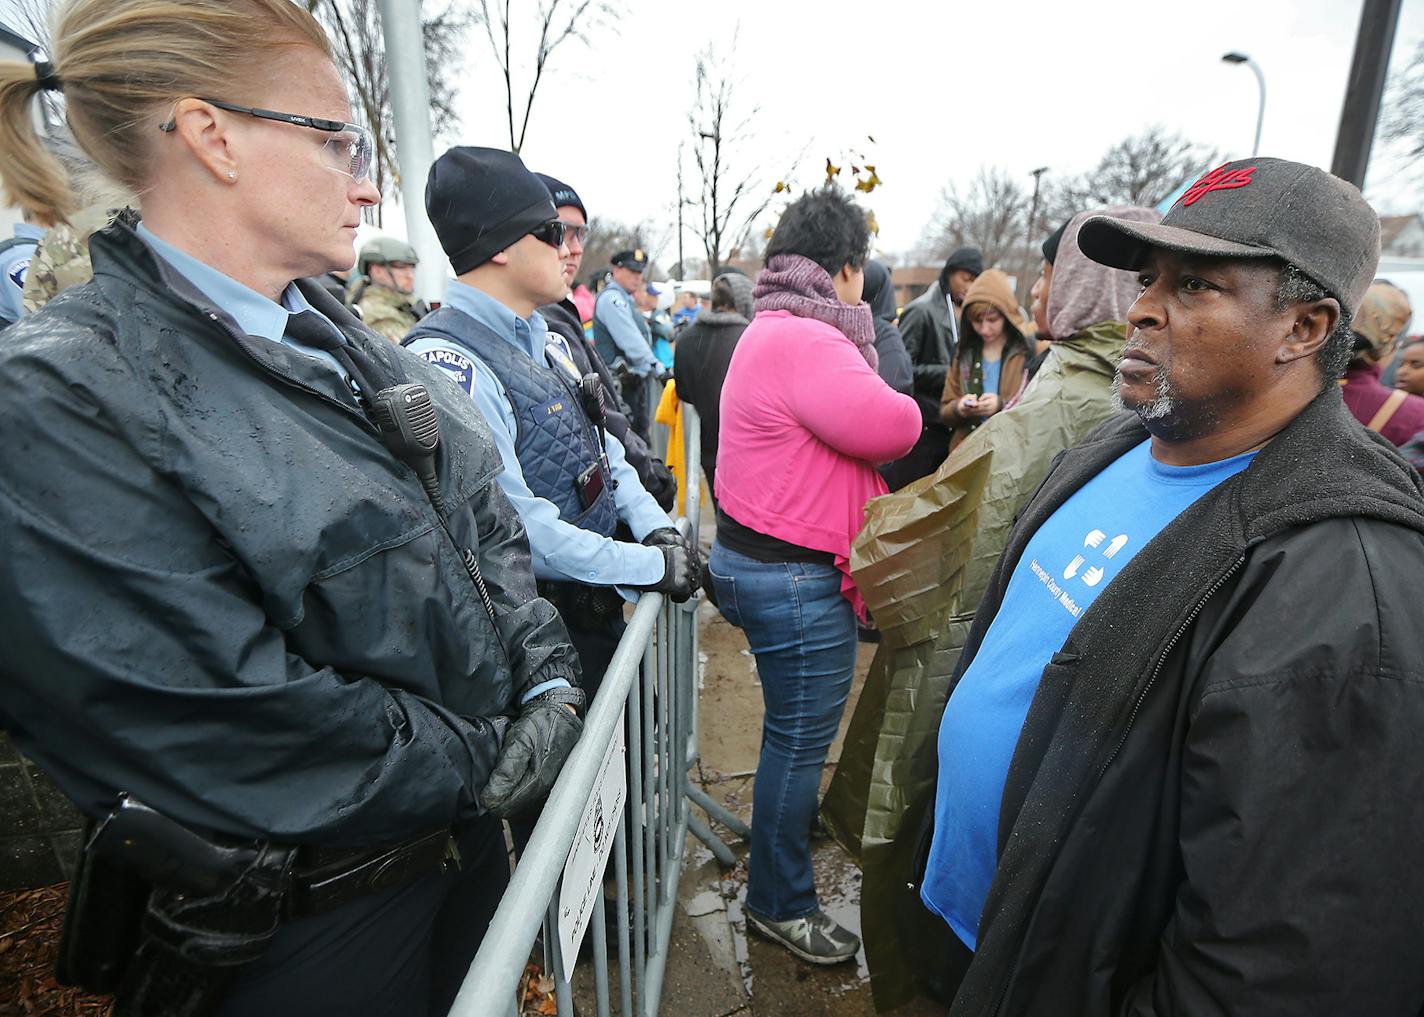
x=310 y=329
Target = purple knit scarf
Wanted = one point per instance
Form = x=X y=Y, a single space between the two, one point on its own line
x=799 y=285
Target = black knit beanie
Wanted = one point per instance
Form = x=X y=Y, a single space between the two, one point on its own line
x=481 y=200
x=562 y=194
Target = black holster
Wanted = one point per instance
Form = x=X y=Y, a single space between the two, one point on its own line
x=164 y=919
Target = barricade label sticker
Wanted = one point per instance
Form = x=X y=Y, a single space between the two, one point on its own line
x=583 y=872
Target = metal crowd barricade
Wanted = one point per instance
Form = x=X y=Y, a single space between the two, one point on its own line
x=654 y=675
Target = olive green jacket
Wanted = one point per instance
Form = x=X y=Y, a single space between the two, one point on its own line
x=923 y=561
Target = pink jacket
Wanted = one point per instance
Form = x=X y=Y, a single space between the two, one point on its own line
x=804 y=422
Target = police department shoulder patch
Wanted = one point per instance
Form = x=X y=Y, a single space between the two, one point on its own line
x=17 y=272
x=461 y=367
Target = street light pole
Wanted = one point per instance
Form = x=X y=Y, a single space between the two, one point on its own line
x=1242 y=58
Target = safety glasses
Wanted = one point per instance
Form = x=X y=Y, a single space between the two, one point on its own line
x=551 y=232
x=575 y=233
x=349 y=150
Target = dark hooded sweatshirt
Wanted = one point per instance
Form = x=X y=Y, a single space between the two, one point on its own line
x=895 y=367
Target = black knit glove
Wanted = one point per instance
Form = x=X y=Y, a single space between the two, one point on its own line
x=533 y=753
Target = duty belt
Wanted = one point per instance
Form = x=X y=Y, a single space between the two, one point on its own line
x=324 y=878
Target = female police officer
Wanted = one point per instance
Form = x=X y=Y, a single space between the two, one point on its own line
x=222 y=593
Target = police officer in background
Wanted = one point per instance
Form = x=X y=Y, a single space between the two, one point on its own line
x=565 y=474
x=288 y=664
x=563 y=317
x=621 y=337
x=384 y=286
x=15 y=255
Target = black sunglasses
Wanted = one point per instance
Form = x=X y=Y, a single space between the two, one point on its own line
x=551 y=232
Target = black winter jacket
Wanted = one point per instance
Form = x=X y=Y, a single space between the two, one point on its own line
x=704 y=354
x=1216 y=805
x=220 y=591
x=656 y=478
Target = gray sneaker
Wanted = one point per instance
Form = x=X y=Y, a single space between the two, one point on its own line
x=817 y=938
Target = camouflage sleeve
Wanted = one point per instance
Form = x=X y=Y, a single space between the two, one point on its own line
x=385 y=317
x=62 y=258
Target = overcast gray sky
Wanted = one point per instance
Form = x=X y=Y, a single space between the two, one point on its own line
x=943 y=87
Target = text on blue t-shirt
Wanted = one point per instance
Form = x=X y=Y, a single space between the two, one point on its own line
x=1072 y=558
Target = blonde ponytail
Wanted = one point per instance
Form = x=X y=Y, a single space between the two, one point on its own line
x=122 y=64
x=33 y=178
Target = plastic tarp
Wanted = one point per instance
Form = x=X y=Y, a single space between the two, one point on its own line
x=923 y=561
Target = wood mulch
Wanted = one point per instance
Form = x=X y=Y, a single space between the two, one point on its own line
x=30 y=921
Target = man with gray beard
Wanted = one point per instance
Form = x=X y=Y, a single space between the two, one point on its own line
x=1177 y=767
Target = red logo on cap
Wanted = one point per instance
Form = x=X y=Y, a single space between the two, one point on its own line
x=1219 y=179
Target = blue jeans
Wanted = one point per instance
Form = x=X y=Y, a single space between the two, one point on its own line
x=802 y=632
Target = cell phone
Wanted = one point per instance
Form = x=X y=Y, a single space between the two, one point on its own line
x=590 y=485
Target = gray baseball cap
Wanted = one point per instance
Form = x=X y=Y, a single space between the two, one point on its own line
x=1258 y=208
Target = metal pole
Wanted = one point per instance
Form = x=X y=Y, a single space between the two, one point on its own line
x=681 y=267
x=1360 y=113
x=1028 y=240
x=410 y=105
x=1261 y=107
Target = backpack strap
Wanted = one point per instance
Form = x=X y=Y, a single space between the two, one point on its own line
x=1391 y=403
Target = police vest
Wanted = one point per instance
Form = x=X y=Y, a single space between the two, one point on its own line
x=554 y=440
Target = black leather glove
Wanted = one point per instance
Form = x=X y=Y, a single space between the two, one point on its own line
x=682 y=572
x=533 y=753
x=663 y=536
x=660 y=372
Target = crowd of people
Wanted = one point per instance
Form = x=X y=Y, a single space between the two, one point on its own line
x=317 y=582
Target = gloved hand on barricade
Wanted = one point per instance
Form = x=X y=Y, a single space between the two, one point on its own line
x=682 y=568
x=533 y=752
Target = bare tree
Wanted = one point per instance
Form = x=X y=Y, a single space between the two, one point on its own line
x=1402 y=118
x=552 y=23
x=33 y=20
x=606 y=237
x=355 y=30
x=730 y=195
x=1139 y=170
x=989 y=214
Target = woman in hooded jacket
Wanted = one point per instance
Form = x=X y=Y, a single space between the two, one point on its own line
x=988 y=367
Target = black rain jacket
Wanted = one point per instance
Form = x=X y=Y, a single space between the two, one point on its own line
x=221 y=593
x=1216 y=805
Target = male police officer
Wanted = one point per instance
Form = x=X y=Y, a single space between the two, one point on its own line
x=384 y=285
x=566 y=476
x=15 y=255
x=563 y=317
x=620 y=335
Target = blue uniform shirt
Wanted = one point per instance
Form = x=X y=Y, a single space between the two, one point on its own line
x=254 y=313
x=14 y=263
x=560 y=550
x=1074 y=556
x=614 y=310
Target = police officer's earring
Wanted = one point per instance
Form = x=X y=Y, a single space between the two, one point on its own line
x=231 y=175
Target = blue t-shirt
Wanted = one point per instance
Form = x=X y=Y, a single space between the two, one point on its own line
x=1074 y=556
x=991 y=376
